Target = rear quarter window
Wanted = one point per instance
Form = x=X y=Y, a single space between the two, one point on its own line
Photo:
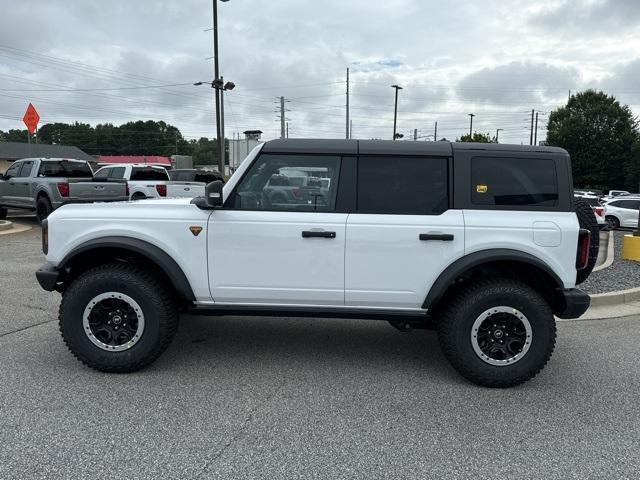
x=509 y=181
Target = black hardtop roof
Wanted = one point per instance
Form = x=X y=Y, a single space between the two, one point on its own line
x=381 y=147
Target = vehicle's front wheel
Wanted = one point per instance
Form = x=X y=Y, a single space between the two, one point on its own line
x=43 y=209
x=497 y=332
x=117 y=318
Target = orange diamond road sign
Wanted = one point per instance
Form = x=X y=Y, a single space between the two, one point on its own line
x=31 y=118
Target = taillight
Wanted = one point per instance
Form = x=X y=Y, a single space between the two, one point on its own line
x=584 y=242
x=63 y=189
x=161 y=189
x=599 y=211
x=297 y=192
x=45 y=236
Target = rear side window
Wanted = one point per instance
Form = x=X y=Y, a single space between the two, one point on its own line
x=402 y=185
x=148 y=173
x=628 y=204
x=514 y=181
x=65 y=168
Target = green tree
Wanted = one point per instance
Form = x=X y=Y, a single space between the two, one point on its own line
x=601 y=136
x=477 y=138
x=14 y=135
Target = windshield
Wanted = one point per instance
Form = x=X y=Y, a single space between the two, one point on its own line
x=65 y=168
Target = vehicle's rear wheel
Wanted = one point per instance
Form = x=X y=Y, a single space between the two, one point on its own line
x=138 y=196
x=497 y=332
x=3 y=213
x=587 y=219
x=43 y=209
x=117 y=318
x=612 y=222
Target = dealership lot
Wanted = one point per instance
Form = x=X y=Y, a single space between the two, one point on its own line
x=285 y=398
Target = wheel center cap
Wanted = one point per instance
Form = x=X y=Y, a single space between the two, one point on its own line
x=498 y=334
x=117 y=319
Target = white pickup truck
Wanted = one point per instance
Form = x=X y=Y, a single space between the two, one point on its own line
x=150 y=181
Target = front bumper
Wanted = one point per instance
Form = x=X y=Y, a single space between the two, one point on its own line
x=48 y=276
x=572 y=303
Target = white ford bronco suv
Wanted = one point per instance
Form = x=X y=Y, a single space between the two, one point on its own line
x=482 y=242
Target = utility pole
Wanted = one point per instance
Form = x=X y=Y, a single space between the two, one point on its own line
x=531 y=137
x=282 y=117
x=415 y=134
x=350 y=128
x=471 y=115
x=347 y=120
x=217 y=94
x=435 y=133
x=176 y=142
x=498 y=130
x=223 y=149
x=395 y=110
x=287 y=129
x=535 y=138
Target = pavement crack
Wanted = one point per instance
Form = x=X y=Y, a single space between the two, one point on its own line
x=238 y=434
x=25 y=328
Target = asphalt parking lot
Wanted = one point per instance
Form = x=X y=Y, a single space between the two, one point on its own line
x=305 y=398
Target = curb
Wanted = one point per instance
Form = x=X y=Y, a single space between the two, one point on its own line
x=610 y=253
x=615 y=298
x=8 y=228
x=5 y=225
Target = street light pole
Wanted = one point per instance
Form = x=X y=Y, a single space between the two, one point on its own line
x=395 y=110
x=216 y=92
x=471 y=115
x=498 y=130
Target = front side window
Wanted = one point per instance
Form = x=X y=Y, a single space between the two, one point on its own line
x=290 y=183
x=102 y=174
x=13 y=170
x=402 y=185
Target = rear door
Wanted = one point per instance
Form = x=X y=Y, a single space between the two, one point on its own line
x=628 y=210
x=403 y=233
x=289 y=253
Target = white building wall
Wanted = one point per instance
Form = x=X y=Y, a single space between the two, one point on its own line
x=239 y=149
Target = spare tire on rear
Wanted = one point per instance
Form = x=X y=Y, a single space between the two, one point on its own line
x=587 y=219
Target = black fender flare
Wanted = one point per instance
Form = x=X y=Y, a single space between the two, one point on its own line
x=153 y=253
x=457 y=268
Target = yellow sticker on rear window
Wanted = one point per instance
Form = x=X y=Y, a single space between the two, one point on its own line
x=481 y=188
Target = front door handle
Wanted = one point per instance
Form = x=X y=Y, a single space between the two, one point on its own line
x=316 y=234
x=444 y=237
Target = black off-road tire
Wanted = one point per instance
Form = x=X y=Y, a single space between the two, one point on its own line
x=43 y=209
x=587 y=219
x=3 y=213
x=158 y=305
x=138 y=196
x=455 y=325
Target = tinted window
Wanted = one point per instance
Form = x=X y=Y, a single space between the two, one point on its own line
x=513 y=181
x=65 y=168
x=206 y=177
x=117 y=172
x=268 y=184
x=102 y=174
x=149 y=173
x=179 y=176
x=628 y=204
x=25 y=171
x=402 y=185
x=13 y=170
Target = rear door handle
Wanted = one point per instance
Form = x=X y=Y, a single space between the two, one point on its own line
x=444 y=237
x=315 y=234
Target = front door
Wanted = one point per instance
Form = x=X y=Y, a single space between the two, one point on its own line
x=8 y=185
x=22 y=185
x=279 y=240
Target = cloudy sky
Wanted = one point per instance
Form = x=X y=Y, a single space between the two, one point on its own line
x=497 y=59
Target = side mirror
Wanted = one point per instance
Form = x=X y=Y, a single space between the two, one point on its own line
x=213 y=194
